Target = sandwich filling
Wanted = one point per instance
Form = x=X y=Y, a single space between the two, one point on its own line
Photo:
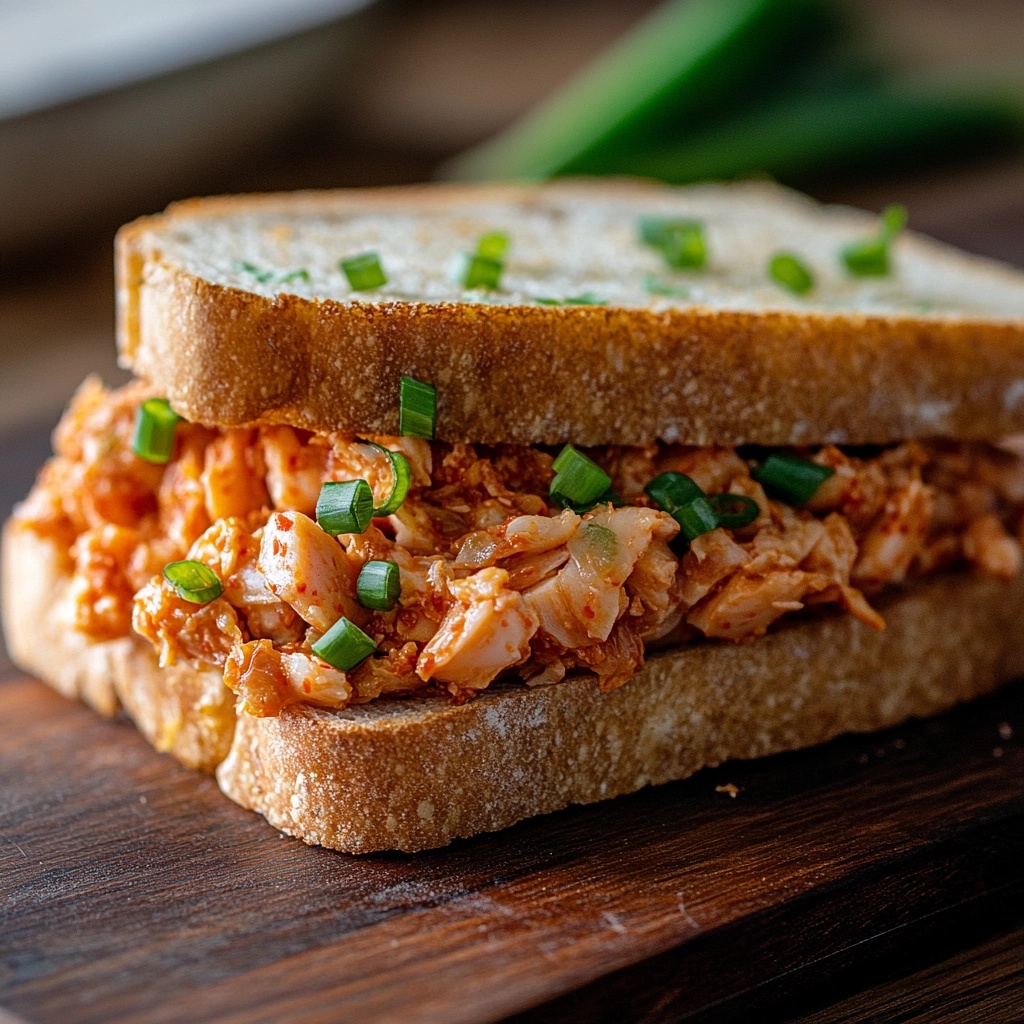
x=493 y=578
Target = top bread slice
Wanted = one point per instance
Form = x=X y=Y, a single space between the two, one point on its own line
x=236 y=309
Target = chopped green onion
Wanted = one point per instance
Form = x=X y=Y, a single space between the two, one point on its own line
x=193 y=581
x=493 y=245
x=870 y=256
x=261 y=275
x=672 y=291
x=364 y=272
x=302 y=274
x=695 y=517
x=894 y=219
x=378 y=586
x=475 y=271
x=417 y=408
x=584 y=299
x=578 y=480
x=670 y=490
x=344 y=645
x=155 y=423
x=344 y=506
x=793 y=479
x=734 y=510
x=580 y=508
x=268 y=276
x=790 y=272
x=680 y=242
x=401 y=474
x=684 y=501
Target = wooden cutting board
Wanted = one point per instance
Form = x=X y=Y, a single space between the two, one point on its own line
x=131 y=890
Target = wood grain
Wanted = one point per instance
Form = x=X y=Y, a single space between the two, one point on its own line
x=982 y=984
x=131 y=890
x=862 y=880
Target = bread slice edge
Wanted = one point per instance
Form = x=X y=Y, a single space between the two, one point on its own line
x=415 y=774
x=533 y=374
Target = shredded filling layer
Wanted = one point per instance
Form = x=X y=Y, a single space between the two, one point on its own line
x=493 y=579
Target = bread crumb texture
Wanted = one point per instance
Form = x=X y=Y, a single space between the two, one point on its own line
x=417 y=773
x=236 y=308
x=515 y=752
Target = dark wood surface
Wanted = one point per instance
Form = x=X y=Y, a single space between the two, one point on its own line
x=980 y=984
x=131 y=890
x=876 y=878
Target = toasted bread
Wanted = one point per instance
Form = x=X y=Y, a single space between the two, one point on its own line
x=414 y=774
x=935 y=349
x=235 y=309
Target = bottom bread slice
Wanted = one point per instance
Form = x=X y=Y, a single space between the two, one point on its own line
x=411 y=775
x=414 y=774
x=183 y=710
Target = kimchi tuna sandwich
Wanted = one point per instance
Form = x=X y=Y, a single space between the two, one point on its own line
x=434 y=508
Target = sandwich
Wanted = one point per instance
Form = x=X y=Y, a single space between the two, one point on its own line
x=431 y=509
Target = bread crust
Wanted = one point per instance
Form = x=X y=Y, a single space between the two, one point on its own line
x=182 y=709
x=537 y=374
x=416 y=774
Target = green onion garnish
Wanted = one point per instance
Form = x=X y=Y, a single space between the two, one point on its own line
x=609 y=497
x=378 y=586
x=302 y=274
x=682 y=498
x=155 y=423
x=734 y=510
x=261 y=275
x=493 y=245
x=364 y=272
x=193 y=581
x=417 y=408
x=401 y=474
x=344 y=506
x=787 y=270
x=684 y=501
x=680 y=242
x=695 y=517
x=670 y=490
x=794 y=480
x=671 y=291
x=344 y=645
x=870 y=256
x=475 y=271
x=578 y=481
x=277 y=277
x=584 y=299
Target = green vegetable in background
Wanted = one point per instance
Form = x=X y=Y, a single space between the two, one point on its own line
x=897 y=122
x=682 y=63
x=706 y=89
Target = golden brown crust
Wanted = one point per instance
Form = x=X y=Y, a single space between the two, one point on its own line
x=407 y=777
x=415 y=774
x=182 y=710
x=537 y=374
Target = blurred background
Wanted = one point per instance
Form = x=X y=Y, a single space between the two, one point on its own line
x=112 y=108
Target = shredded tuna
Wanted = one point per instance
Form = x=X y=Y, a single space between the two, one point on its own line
x=494 y=581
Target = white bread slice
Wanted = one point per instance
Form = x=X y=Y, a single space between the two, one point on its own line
x=937 y=348
x=184 y=710
x=414 y=774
